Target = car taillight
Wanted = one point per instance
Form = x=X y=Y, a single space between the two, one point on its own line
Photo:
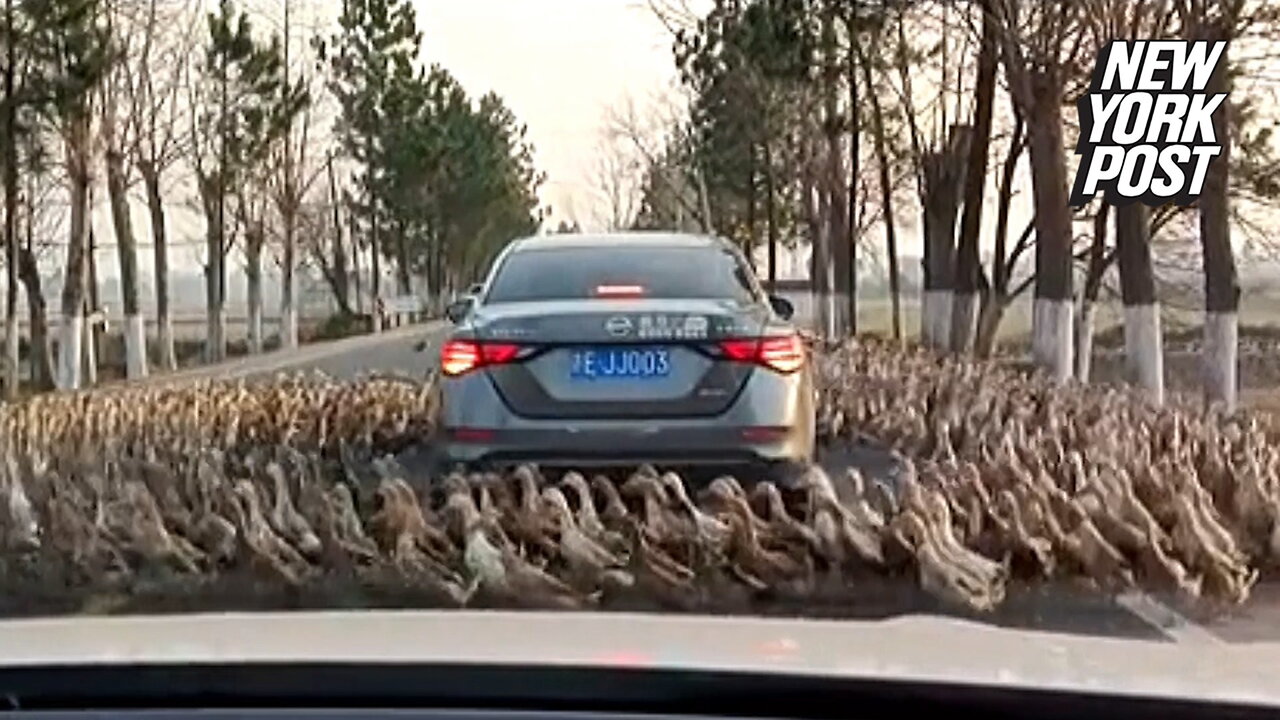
x=458 y=357
x=783 y=353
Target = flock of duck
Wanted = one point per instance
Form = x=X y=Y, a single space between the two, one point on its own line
x=1089 y=482
x=1002 y=478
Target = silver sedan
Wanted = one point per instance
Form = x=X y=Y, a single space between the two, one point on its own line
x=620 y=349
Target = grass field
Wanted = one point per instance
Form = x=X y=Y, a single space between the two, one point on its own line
x=1259 y=365
x=1256 y=309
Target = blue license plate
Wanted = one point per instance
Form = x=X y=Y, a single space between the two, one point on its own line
x=621 y=363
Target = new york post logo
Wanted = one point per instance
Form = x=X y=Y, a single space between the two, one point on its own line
x=1146 y=124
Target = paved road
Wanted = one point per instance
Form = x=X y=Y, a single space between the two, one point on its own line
x=392 y=351
x=1057 y=609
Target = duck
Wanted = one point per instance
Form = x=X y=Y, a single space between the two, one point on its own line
x=587 y=517
x=500 y=571
x=587 y=561
x=285 y=518
x=528 y=525
x=938 y=576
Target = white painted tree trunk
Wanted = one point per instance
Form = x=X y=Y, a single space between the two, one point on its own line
x=963 y=321
x=255 y=315
x=71 y=337
x=1084 y=340
x=1221 y=335
x=135 y=346
x=935 y=319
x=256 y=344
x=288 y=324
x=90 y=354
x=1144 y=349
x=1052 y=339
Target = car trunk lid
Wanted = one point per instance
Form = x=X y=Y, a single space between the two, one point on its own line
x=619 y=358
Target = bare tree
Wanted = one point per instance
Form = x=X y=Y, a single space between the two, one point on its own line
x=649 y=134
x=968 y=270
x=617 y=178
x=76 y=138
x=43 y=219
x=297 y=172
x=1105 y=21
x=1040 y=41
x=1144 y=348
x=879 y=132
x=1218 y=20
x=332 y=258
x=117 y=130
x=1096 y=263
x=10 y=168
x=834 y=180
x=166 y=38
x=251 y=211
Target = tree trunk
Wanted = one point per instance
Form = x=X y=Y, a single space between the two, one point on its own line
x=166 y=355
x=355 y=261
x=771 y=215
x=1143 y=346
x=1221 y=284
x=11 y=344
x=834 y=184
x=215 y=317
x=10 y=163
x=855 y=158
x=996 y=298
x=989 y=316
x=135 y=328
x=752 y=238
x=288 y=291
x=886 y=201
x=374 y=245
x=402 y=262
x=968 y=270
x=253 y=280
x=340 y=281
x=71 y=330
x=1089 y=298
x=93 y=340
x=1052 y=338
x=93 y=304
x=820 y=260
x=38 y=355
x=943 y=175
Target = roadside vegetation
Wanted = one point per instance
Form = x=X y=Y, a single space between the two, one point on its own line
x=300 y=138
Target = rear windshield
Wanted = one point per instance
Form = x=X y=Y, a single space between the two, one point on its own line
x=656 y=272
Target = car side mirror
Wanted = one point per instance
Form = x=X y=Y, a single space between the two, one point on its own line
x=458 y=309
x=782 y=307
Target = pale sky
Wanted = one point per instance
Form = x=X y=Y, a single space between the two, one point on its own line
x=559 y=66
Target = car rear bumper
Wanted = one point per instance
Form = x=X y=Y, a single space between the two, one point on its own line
x=595 y=446
x=772 y=419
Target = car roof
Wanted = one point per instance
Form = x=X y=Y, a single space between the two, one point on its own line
x=618 y=239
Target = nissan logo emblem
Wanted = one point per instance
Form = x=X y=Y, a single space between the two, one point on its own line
x=618 y=326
